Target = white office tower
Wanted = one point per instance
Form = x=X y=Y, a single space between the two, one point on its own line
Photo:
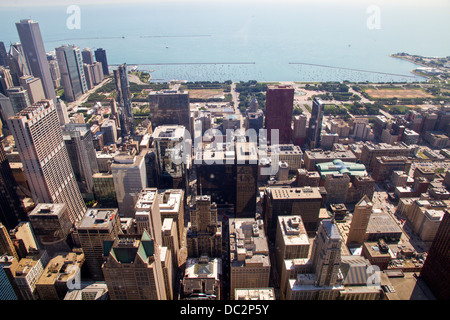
x=130 y=177
x=39 y=139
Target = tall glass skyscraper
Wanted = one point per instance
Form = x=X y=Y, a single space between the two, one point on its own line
x=34 y=50
x=315 y=123
x=71 y=69
x=100 y=56
x=124 y=99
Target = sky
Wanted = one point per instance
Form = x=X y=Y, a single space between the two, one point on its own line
x=21 y=3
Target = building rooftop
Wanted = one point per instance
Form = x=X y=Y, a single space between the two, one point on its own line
x=28 y=263
x=246 y=151
x=216 y=153
x=435 y=215
x=146 y=199
x=338 y=166
x=389 y=159
x=98 y=219
x=294 y=193
x=255 y=294
x=127 y=248
x=306 y=282
x=374 y=250
x=61 y=268
x=171 y=200
x=33 y=110
x=248 y=243
x=47 y=209
x=286 y=149
x=168 y=92
x=89 y=291
x=354 y=269
x=169 y=132
x=382 y=223
x=384 y=146
x=331 y=155
x=203 y=267
x=331 y=229
x=293 y=230
x=167 y=224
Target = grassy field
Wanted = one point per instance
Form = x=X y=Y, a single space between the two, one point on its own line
x=206 y=93
x=397 y=93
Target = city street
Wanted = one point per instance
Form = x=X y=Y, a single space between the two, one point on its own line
x=83 y=98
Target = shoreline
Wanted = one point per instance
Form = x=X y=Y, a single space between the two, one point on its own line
x=394 y=55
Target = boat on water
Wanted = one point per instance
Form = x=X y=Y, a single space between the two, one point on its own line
x=134 y=68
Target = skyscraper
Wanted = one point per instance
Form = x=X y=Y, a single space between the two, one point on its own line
x=205 y=232
x=6 y=81
x=19 y=98
x=33 y=47
x=18 y=64
x=148 y=216
x=97 y=226
x=134 y=270
x=279 y=107
x=11 y=211
x=299 y=134
x=34 y=88
x=100 y=56
x=78 y=140
x=97 y=73
x=6 y=244
x=88 y=75
x=169 y=108
x=72 y=72
x=130 y=178
x=8 y=287
x=54 y=71
x=435 y=269
x=3 y=55
x=360 y=221
x=304 y=201
x=171 y=145
x=246 y=179
x=61 y=110
x=249 y=255
x=88 y=57
x=326 y=253
x=315 y=123
x=124 y=99
x=6 y=109
x=39 y=139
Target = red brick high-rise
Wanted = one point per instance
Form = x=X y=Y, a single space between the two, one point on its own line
x=279 y=106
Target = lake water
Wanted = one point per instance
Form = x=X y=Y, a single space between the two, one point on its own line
x=264 y=41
